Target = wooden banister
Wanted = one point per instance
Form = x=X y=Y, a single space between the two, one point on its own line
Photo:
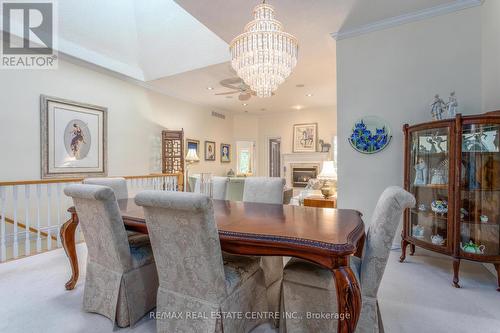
x=76 y=180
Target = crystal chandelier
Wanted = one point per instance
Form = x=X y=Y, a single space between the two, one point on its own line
x=264 y=55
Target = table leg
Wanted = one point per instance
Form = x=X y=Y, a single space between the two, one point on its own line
x=360 y=247
x=348 y=298
x=68 y=242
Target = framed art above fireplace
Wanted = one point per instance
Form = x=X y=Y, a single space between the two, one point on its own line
x=305 y=138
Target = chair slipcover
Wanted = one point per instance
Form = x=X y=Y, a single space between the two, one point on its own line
x=121 y=279
x=193 y=278
x=219 y=188
x=268 y=190
x=310 y=288
x=264 y=190
x=119 y=186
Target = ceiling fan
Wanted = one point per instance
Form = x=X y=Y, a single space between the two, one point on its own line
x=238 y=87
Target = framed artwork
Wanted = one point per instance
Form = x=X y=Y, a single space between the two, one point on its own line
x=209 y=151
x=73 y=139
x=193 y=144
x=305 y=138
x=225 y=153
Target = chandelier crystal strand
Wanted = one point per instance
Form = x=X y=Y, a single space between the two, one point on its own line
x=264 y=55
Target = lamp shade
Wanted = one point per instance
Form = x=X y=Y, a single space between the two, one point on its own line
x=328 y=171
x=192 y=156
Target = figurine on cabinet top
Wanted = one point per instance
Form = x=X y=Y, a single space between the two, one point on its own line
x=452 y=105
x=420 y=172
x=437 y=108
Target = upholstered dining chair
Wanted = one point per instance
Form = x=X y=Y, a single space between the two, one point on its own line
x=268 y=190
x=119 y=187
x=219 y=188
x=121 y=279
x=310 y=288
x=117 y=184
x=193 y=276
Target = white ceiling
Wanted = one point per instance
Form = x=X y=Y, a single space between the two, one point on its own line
x=145 y=39
x=311 y=22
x=180 y=47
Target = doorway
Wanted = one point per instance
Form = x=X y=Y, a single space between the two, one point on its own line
x=275 y=157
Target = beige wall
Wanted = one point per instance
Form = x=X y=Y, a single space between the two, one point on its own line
x=490 y=19
x=136 y=117
x=281 y=125
x=394 y=74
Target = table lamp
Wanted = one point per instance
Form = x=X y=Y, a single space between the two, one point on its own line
x=328 y=175
x=191 y=158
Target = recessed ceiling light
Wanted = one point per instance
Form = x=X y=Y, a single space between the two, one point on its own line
x=309 y=95
x=210 y=88
x=300 y=85
x=244 y=104
x=297 y=107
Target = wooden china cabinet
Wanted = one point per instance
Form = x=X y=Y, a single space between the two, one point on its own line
x=452 y=167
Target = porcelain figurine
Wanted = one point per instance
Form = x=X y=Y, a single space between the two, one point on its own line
x=484 y=218
x=452 y=105
x=439 y=206
x=437 y=239
x=463 y=213
x=418 y=231
x=473 y=248
x=420 y=172
x=437 y=177
x=437 y=108
x=422 y=207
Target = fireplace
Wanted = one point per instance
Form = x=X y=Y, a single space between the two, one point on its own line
x=301 y=175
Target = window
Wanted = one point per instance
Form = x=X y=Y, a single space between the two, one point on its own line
x=244 y=161
x=245 y=157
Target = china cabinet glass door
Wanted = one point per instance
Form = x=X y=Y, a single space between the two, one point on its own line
x=429 y=182
x=480 y=190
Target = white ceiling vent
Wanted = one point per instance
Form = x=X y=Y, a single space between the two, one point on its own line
x=218 y=115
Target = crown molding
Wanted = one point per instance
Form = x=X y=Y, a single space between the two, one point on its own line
x=406 y=18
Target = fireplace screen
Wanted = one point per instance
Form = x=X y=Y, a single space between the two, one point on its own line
x=301 y=176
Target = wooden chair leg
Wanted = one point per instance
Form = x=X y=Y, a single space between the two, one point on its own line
x=404 y=244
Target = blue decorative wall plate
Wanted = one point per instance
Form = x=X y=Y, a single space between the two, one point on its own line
x=370 y=135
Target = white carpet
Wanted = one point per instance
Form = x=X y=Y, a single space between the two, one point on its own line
x=415 y=296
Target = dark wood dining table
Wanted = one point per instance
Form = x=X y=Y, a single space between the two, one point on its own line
x=325 y=236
